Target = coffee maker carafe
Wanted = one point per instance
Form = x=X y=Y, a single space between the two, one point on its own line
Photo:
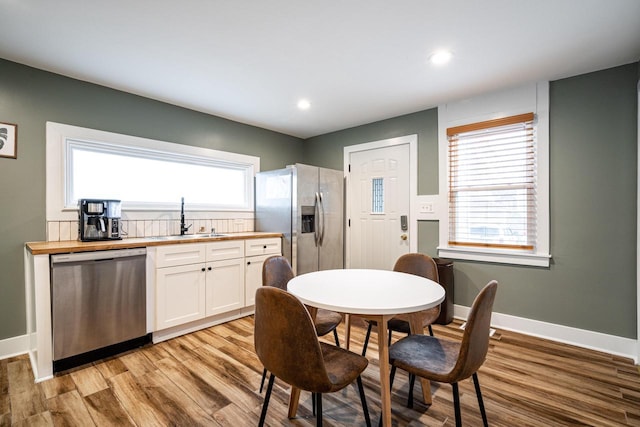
x=99 y=219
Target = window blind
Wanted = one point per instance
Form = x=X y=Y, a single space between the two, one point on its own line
x=492 y=183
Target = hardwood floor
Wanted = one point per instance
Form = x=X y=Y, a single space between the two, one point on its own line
x=212 y=377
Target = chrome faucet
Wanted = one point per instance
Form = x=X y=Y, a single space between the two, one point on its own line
x=183 y=228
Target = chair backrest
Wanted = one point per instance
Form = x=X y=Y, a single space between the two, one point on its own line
x=475 y=339
x=418 y=264
x=276 y=272
x=286 y=342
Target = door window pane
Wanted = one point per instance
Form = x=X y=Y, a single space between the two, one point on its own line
x=377 y=196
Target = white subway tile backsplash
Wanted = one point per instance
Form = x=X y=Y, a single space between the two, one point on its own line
x=68 y=230
x=65 y=230
x=74 y=230
x=148 y=228
x=162 y=227
x=124 y=229
x=53 y=231
x=140 y=227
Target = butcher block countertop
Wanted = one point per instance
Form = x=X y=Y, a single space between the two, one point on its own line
x=66 y=246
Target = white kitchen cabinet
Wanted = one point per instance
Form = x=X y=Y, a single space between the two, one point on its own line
x=257 y=251
x=253 y=277
x=180 y=294
x=225 y=286
x=197 y=280
x=225 y=276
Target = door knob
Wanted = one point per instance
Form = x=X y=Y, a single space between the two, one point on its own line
x=403 y=237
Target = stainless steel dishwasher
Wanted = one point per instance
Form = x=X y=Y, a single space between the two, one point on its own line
x=98 y=305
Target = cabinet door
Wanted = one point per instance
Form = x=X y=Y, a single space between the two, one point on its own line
x=225 y=286
x=180 y=295
x=253 y=278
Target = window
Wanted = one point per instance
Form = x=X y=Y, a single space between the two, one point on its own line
x=102 y=170
x=492 y=184
x=149 y=176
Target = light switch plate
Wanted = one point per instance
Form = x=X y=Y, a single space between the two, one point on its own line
x=427 y=207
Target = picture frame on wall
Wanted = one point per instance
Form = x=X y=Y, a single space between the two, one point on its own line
x=8 y=140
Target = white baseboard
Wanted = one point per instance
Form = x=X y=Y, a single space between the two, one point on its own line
x=14 y=346
x=611 y=344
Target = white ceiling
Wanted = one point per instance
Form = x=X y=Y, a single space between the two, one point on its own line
x=357 y=61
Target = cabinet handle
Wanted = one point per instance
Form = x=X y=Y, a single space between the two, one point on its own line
x=248 y=262
x=264 y=247
x=209 y=268
x=202 y=268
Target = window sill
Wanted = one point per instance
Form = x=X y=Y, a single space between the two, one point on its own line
x=496 y=256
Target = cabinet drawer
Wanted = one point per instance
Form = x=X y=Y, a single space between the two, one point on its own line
x=172 y=255
x=270 y=246
x=228 y=249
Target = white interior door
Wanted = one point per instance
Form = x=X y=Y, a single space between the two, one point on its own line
x=378 y=206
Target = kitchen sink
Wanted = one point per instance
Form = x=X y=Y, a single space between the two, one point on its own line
x=188 y=236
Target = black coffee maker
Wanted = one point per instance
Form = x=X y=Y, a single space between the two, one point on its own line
x=99 y=219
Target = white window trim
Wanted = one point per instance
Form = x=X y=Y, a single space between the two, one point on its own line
x=491 y=106
x=57 y=134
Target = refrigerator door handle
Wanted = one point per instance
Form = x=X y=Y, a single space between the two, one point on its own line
x=316 y=232
x=321 y=220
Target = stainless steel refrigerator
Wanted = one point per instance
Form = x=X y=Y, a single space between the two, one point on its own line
x=305 y=204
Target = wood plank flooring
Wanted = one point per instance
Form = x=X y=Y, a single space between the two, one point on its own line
x=211 y=377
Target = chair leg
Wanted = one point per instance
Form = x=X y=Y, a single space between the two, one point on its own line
x=319 y=409
x=456 y=404
x=366 y=340
x=364 y=402
x=392 y=375
x=430 y=330
x=480 y=401
x=263 y=415
x=389 y=343
x=264 y=375
x=335 y=335
x=313 y=404
x=412 y=382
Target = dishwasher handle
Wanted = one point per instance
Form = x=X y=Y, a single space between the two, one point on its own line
x=96 y=255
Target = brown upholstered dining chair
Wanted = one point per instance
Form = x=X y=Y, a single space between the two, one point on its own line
x=276 y=272
x=448 y=361
x=420 y=265
x=287 y=345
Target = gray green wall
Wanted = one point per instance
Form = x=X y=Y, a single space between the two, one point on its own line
x=591 y=283
x=31 y=97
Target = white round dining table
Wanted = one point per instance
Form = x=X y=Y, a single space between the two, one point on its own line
x=377 y=295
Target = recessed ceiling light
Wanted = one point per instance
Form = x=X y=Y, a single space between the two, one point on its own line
x=304 y=104
x=440 y=57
